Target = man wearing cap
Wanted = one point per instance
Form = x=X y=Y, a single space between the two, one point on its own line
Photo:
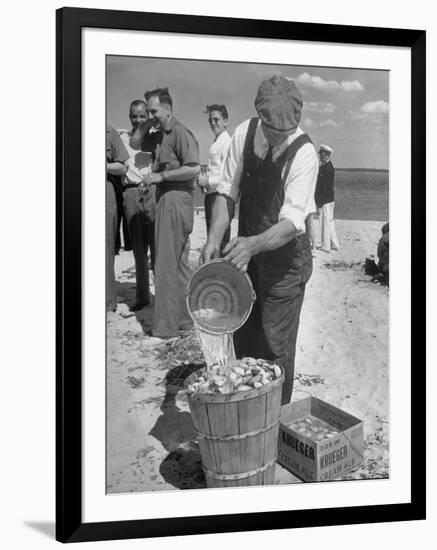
x=271 y=166
x=324 y=198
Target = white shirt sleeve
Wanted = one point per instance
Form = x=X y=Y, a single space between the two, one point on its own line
x=300 y=187
x=232 y=167
x=217 y=155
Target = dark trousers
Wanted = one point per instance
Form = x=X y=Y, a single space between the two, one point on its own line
x=209 y=201
x=141 y=238
x=173 y=225
x=121 y=218
x=111 y=229
x=271 y=329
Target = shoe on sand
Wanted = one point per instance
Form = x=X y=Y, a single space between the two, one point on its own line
x=139 y=306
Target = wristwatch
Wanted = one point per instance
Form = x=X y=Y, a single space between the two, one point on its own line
x=164 y=175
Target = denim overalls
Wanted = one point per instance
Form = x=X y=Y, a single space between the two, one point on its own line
x=278 y=276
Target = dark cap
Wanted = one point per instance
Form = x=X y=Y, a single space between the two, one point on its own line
x=279 y=104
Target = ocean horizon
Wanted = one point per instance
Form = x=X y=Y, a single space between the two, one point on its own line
x=360 y=194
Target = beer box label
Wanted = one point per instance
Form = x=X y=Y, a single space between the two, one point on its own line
x=298 y=454
x=319 y=442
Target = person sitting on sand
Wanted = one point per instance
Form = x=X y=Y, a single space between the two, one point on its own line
x=324 y=198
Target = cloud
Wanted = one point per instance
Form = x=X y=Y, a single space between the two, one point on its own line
x=316 y=107
x=312 y=81
x=330 y=122
x=375 y=107
x=372 y=112
x=351 y=86
x=309 y=123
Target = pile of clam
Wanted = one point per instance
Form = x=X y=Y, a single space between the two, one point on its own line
x=245 y=374
x=314 y=428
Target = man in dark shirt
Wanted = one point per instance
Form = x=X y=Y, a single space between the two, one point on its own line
x=116 y=156
x=324 y=197
x=177 y=165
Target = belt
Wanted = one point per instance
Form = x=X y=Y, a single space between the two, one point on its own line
x=131 y=185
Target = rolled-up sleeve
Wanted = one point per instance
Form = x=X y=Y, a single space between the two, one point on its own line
x=187 y=147
x=232 y=167
x=300 y=187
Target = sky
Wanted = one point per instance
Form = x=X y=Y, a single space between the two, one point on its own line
x=345 y=108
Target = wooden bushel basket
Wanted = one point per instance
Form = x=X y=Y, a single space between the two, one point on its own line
x=238 y=434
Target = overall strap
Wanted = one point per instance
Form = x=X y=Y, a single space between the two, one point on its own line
x=291 y=151
x=250 y=136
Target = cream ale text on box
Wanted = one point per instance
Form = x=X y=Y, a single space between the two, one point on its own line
x=323 y=460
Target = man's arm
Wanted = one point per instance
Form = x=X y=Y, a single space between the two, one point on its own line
x=116 y=168
x=136 y=141
x=180 y=174
x=187 y=151
x=221 y=217
x=240 y=250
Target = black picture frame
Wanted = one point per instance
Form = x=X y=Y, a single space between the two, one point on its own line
x=69 y=524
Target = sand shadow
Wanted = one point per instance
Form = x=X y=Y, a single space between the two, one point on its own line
x=182 y=467
x=126 y=294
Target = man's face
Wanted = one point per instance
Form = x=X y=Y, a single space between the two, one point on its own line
x=138 y=115
x=274 y=138
x=217 y=123
x=158 y=113
x=324 y=156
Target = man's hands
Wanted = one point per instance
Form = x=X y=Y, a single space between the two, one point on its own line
x=154 y=177
x=239 y=251
x=202 y=181
x=210 y=251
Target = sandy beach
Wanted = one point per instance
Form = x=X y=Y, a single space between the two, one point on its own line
x=342 y=357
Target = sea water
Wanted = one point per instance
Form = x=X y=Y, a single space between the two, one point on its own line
x=218 y=349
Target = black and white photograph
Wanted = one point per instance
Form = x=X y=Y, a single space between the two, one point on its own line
x=247 y=274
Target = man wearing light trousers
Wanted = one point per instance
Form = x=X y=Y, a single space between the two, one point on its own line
x=324 y=198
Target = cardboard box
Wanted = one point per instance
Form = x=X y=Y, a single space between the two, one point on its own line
x=325 y=460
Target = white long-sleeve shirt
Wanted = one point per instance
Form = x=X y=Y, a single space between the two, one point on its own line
x=301 y=180
x=216 y=155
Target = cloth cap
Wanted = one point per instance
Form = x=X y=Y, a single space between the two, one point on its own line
x=325 y=149
x=279 y=104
